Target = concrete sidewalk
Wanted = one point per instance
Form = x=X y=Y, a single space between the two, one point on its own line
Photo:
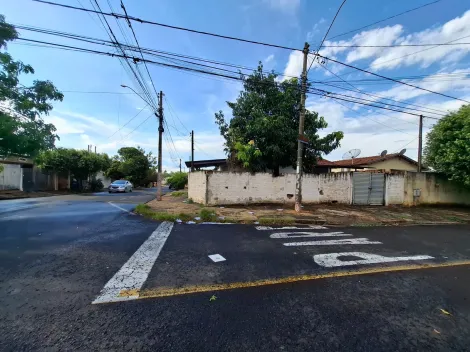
x=331 y=214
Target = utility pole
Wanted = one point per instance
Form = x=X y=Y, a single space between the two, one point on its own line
x=192 y=151
x=95 y=149
x=420 y=142
x=300 y=143
x=180 y=165
x=160 y=136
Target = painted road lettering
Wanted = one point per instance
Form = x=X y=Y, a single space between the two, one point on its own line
x=333 y=242
x=311 y=227
x=307 y=234
x=331 y=260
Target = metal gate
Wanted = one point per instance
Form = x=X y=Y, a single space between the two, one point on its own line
x=368 y=188
x=28 y=184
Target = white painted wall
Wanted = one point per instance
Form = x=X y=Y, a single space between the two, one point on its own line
x=197 y=186
x=11 y=177
x=394 y=189
x=243 y=188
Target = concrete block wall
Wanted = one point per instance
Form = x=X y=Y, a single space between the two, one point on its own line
x=433 y=189
x=11 y=177
x=335 y=187
x=197 y=186
x=212 y=188
x=394 y=189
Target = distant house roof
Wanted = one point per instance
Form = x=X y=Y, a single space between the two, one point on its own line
x=324 y=162
x=372 y=160
x=207 y=163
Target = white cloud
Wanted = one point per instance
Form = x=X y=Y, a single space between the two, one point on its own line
x=269 y=59
x=289 y=6
x=436 y=83
x=387 y=58
x=294 y=64
x=315 y=30
x=373 y=132
x=64 y=126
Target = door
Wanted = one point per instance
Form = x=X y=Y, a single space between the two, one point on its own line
x=368 y=188
x=28 y=184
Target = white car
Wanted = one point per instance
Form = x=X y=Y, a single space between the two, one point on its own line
x=120 y=186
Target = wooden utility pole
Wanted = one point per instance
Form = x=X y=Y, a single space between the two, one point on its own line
x=420 y=142
x=300 y=142
x=160 y=136
x=180 y=165
x=192 y=151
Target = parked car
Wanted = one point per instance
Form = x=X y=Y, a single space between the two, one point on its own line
x=120 y=186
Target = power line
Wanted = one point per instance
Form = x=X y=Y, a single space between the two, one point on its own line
x=321 y=93
x=116 y=15
x=151 y=51
x=385 y=19
x=391 y=79
x=132 y=118
x=392 y=45
x=138 y=46
x=328 y=31
x=172 y=113
x=127 y=135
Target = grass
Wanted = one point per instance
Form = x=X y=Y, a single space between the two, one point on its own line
x=179 y=194
x=207 y=215
x=276 y=221
x=146 y=211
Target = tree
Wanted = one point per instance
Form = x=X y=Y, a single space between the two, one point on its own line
x=133 y=164
x=178 y=180
x=81 y=164
x=447 y=147
x=22 y=129
x=264 y=129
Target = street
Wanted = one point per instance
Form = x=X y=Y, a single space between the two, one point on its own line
x=81 y=273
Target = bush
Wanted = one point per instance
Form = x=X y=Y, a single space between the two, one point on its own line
x=96 y=185
x=178 y=180
x=207 y=215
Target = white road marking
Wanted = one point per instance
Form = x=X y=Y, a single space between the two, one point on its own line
x=265 y=228
x=307 y=234
x=134 y=272
x=117 y=206
x=331 y=260
x=216 y=258
x=333 y=242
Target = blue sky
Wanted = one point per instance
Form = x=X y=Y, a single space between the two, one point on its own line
x=92 y=118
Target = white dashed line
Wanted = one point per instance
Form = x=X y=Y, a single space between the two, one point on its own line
x=134 y=272
x=117 y=206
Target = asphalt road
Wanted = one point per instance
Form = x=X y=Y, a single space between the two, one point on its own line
x=59 y=257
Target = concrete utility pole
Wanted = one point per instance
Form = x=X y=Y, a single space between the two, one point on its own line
x=160 y=135
x=192 y=151
x=420 y=142
x=180 y=165
x=300 y=143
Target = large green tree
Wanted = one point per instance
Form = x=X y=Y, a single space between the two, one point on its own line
x=133 y=164
x=447 y=147
x=22 y=129
x=81 y=164
x=263 y=131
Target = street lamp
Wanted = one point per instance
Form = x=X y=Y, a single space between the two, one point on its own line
x=124 y=86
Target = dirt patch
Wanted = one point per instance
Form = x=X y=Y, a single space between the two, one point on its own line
x=331 y=214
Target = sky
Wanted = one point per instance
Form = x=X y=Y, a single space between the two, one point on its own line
x=96 y=108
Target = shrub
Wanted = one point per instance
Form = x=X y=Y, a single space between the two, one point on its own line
x=96 y=185
x=178 y=180
x=207 y=215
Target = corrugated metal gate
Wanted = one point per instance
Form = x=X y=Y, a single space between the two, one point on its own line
x=368 y=188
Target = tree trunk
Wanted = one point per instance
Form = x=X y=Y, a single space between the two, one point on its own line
x=276 y=171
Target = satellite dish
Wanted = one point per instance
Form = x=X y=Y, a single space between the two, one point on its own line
x=383 y=153
x=403 y=151
x=351 y=154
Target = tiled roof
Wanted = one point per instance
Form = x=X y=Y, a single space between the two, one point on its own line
x=324 y=162
x=371 y=160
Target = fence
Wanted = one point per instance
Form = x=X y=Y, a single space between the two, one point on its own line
x=407 y=188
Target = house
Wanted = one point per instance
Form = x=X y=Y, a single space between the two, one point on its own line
x=387 y=162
